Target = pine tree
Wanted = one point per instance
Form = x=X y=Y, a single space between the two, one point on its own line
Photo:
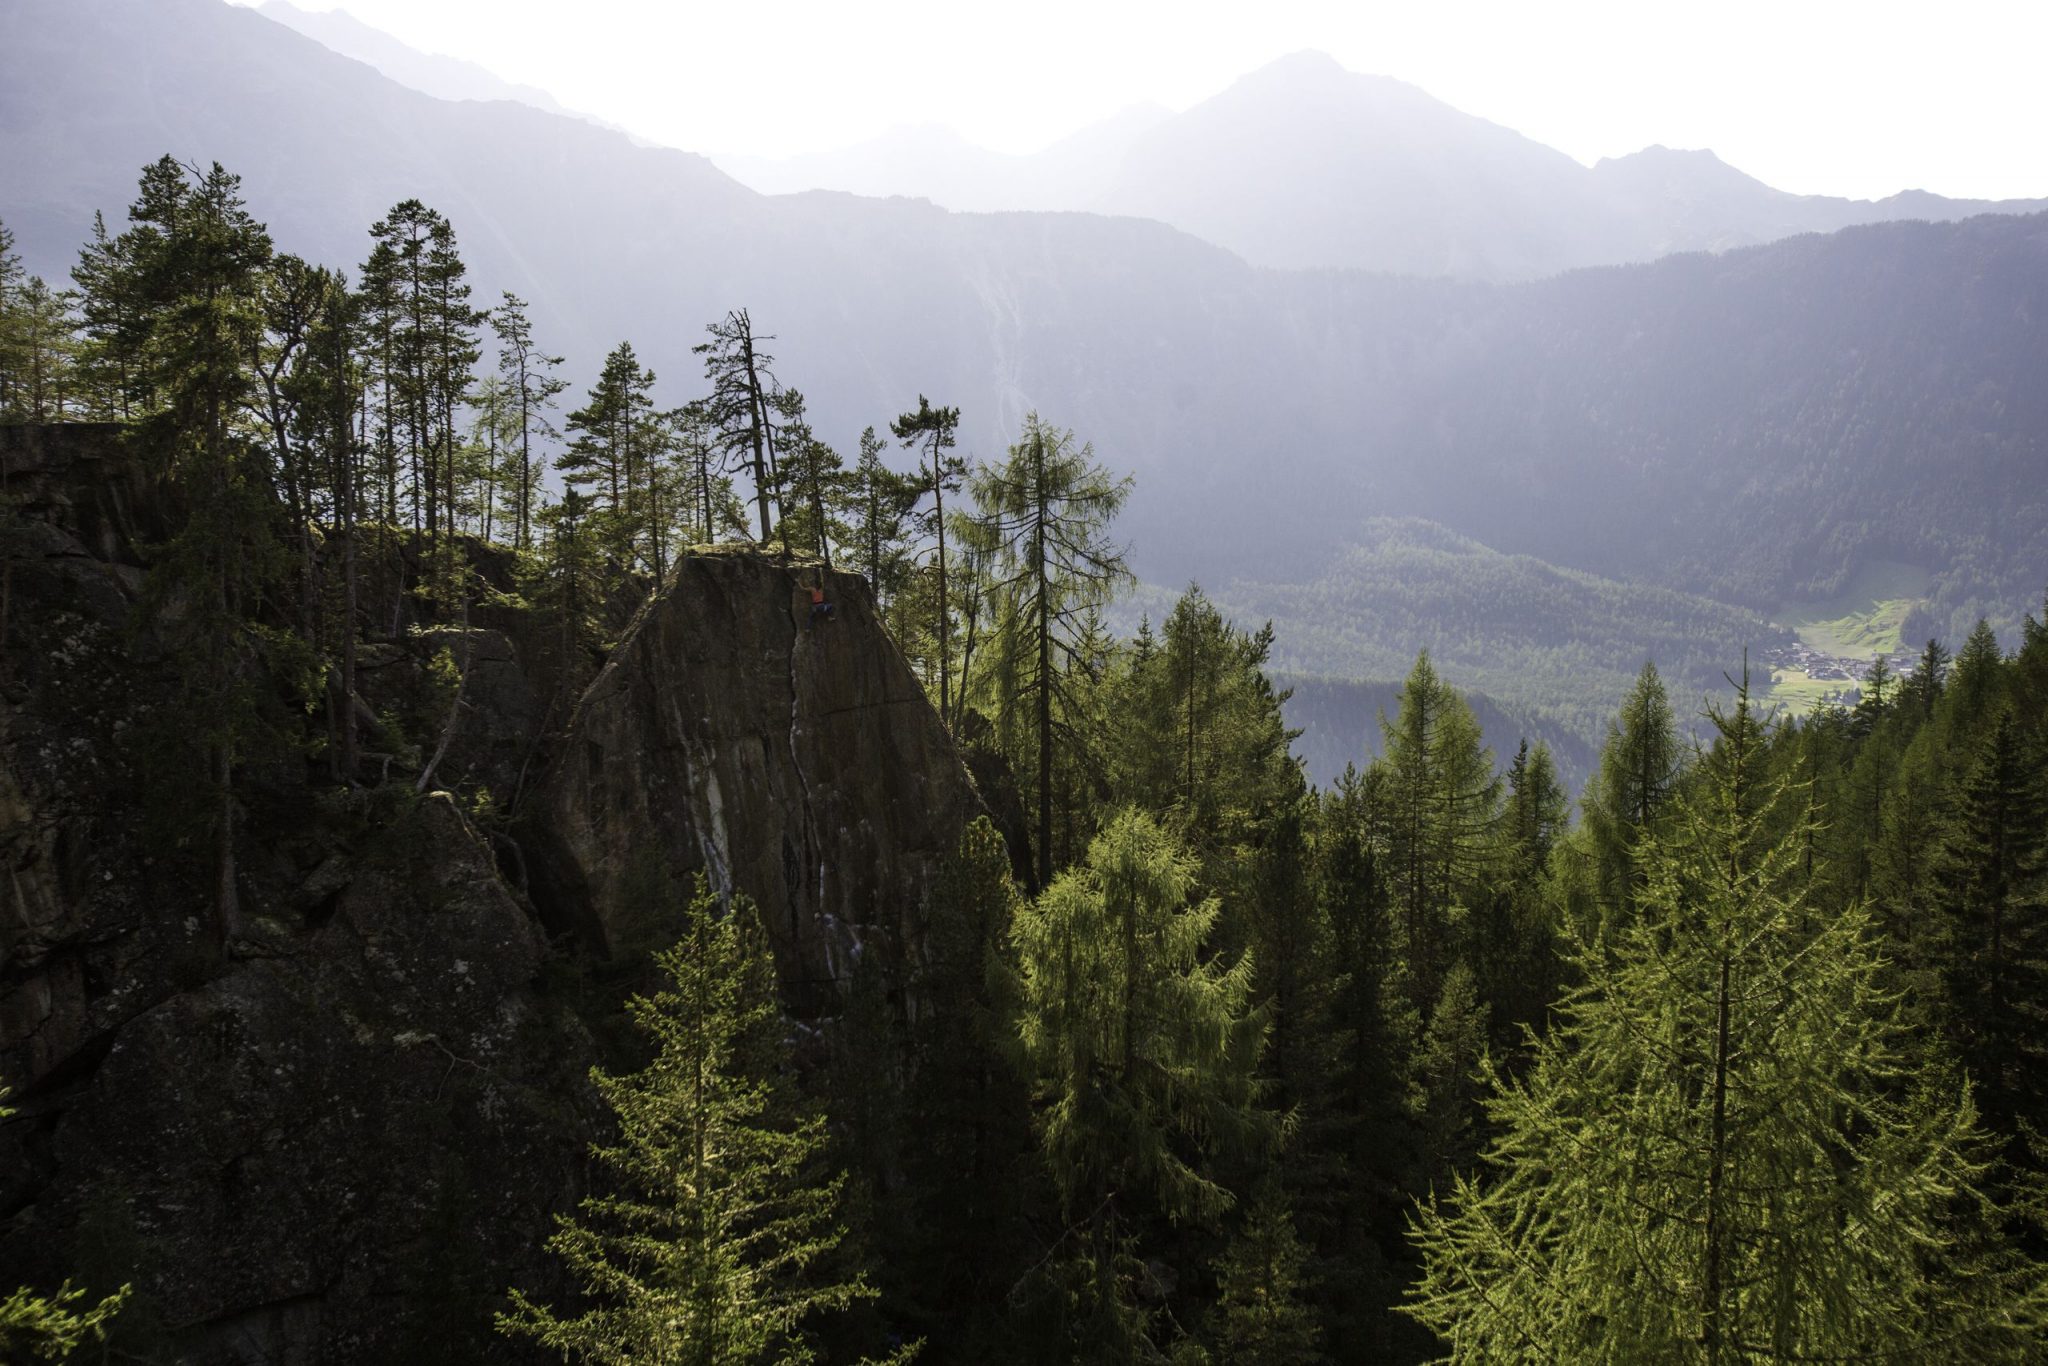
x=1730 y=1148
x=705 y=1251
x=526 y=373
x=932 y=432
x=609 y=457
x=740 y=410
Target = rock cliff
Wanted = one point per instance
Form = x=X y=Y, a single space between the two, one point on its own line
x=338 y=1136
x=790 y=756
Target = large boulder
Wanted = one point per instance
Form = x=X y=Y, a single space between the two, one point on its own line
x=789 y=756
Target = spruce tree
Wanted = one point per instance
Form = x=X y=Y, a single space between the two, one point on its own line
x=816 y=478
x=706 y=1249
x=1259 y=1318
x=44 y=352
x=1443 y=803
x=193 y=266
x=1992 y=875
x=1730 y=1147
x=1639 y=765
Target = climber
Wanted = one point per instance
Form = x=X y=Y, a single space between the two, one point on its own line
x=819 y=607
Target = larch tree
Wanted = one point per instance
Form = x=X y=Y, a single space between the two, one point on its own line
x=51 y=1327
x=1044 y=516
x=1142 y=1049
x=710 y=1247
x=1730 y=1147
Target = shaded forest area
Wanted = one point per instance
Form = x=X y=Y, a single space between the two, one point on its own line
x=1198 y=1062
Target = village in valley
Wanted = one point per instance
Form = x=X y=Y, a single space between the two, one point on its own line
x=1799 y=673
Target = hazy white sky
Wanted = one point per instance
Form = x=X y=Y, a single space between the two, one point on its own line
x=1818 y=96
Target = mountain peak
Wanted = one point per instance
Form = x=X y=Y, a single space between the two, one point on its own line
x=1307 y=69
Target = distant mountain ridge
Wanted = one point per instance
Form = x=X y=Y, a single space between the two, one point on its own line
x=934 y=162
x=1305 y=165
x=430 y=73
x=1300 y=164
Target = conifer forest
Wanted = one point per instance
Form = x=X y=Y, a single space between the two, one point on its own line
x=515 y=857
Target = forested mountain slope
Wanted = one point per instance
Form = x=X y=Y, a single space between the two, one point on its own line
x=1750 y=425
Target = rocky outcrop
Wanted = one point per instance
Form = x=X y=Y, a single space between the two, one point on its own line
x=338 y=1133
x=790 y=757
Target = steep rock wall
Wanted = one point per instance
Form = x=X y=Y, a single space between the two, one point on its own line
x=338 y=1133
x=790 y=757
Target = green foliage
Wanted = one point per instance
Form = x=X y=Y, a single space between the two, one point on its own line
x=51 y=1327
x=1730 y=1147
x=527 y=378
x=1442 y=806
x=40 y=1328
x=1040 y=529
x=1259 y=1318
x=612 y=458
x=1141 y=1051
x=705 y=1249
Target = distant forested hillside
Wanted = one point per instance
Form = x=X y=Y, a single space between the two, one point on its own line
x=1339 y=721
x=1551 y=651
